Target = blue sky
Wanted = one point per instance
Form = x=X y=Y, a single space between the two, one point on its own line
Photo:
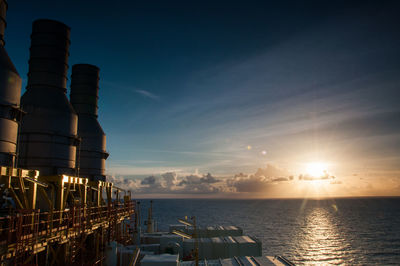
x=231 y=87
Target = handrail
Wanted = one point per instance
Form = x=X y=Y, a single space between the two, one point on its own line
x=26 y=228
x=135 y=257
x=30 y=179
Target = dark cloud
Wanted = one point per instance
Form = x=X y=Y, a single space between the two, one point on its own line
x=169 y=183
x=280 y=179
x=196 y=180
x=150 y=180
x=250 y=184
x=209 y=179
x=169 y=178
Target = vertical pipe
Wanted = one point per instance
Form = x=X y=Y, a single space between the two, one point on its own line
x=10 y=91
x=84 y=96
x=48 y=137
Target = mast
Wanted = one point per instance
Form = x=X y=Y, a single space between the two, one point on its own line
x=150 y=223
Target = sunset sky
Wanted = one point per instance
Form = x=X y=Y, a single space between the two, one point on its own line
x=291 y=99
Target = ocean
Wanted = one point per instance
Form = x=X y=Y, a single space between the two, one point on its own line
x=356 y=231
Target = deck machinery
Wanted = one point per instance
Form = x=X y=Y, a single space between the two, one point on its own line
x=51 y=214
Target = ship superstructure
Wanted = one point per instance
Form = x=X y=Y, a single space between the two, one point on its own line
x=52 y=213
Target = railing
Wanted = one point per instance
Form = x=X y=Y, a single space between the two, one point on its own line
x=135 y=257
x=22 y=230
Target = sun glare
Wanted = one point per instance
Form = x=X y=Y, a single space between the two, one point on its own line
x=316 y=169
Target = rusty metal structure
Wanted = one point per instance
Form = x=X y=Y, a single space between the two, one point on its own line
x=50 y=214
x=74 y=227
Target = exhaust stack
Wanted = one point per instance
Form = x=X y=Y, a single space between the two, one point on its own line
x=48 y=137
x=92 y=155
x=3 y=22
x=10 y=91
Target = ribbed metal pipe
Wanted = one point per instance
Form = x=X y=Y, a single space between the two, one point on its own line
x=92 y=155
x=48 y=62
x=10 y=91
x=48 y=137
x=85 y=89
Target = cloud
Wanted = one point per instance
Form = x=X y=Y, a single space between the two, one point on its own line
x=195 y=180
x=148 y=94
x=199 y=189
x=124 y=183
x=271 y=172
x=199 y=184
x=261 y=181
x=280 y=179
x=307 y=177
x=270 y=181
x=170 y=183
x=240 y=175
x=170 y=178
x=150 y=180
x=250 y=184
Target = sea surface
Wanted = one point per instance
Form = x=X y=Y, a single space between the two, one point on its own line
x=356 y=231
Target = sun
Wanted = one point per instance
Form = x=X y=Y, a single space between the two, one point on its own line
x=316 y=169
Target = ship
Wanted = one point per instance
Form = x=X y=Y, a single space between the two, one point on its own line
x=57 y=207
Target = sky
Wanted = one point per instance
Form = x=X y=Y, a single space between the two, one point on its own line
x=238 y=99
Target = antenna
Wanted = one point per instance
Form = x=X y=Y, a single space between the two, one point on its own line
x=150 y=228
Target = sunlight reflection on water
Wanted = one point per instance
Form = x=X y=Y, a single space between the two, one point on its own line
x=308 y=232
x=319 y=239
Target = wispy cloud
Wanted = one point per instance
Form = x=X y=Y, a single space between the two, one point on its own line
x=148 y=94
